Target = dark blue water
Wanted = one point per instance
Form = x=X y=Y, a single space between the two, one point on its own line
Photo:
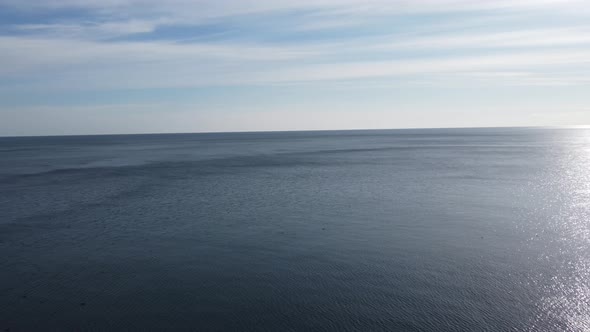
x=409 y=230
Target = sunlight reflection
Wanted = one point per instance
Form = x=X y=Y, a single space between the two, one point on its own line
x=567 y=300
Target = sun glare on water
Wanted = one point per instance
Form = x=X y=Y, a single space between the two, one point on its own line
x=567 y=300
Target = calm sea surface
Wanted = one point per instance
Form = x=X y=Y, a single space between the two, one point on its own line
x=401 y=230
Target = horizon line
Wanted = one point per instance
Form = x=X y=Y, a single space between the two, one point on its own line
x=306 y=130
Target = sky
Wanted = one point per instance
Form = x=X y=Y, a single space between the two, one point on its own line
x=151 y=66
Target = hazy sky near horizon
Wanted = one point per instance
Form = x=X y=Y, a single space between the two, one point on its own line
x=136 y=66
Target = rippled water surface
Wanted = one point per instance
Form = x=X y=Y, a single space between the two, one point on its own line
x=407 y=230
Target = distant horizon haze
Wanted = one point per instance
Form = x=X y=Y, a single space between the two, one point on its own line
x=306 y=131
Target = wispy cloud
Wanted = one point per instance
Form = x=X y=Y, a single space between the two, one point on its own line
x=556 y=37
x=88 y=30
x=29 y=55
x=239 y=63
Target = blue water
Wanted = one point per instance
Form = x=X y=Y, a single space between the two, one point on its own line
x=401 y=230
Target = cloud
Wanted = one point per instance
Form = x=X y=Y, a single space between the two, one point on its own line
x=428 y=66
x=106 y=66
x=517 y=38
x=30 y=55
x=148 y=14
x=81 y=54
x=76 y=65
x=86 y=64
x=232 y=7
x=88 y=30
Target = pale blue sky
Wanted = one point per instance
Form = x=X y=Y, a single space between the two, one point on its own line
x=136 y=66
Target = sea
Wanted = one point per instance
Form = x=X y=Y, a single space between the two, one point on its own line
x=371 y=230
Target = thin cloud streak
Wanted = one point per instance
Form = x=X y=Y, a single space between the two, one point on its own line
x=520 y=39
x=234 y=63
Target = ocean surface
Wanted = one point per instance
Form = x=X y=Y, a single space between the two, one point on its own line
x=394 y=230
